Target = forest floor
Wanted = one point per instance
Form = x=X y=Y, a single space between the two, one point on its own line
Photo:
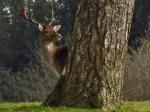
x=36 y=107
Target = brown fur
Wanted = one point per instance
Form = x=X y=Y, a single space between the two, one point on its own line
x=56 y=55
x=60 y=58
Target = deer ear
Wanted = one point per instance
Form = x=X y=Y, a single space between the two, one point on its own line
x=40 y=28
x=57 y=27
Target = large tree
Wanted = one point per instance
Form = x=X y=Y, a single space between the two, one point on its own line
x=94 y=74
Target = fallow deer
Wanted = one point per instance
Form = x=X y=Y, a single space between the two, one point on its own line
x=55 y=54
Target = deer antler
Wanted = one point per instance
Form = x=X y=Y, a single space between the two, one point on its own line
x=23 y=13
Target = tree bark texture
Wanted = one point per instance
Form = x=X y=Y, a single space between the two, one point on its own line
x=94 y=74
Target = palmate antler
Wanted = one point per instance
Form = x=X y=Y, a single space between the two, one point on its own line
x=23 y=13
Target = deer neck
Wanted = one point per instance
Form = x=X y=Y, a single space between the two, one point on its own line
x=48 y=50
x=51 y=47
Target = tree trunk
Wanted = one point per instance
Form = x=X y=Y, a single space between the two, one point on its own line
x=95 y=69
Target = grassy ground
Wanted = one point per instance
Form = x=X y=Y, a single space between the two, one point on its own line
x=35 y=107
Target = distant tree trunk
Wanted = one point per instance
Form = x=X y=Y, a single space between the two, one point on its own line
x=141 y=22
x=95 y=69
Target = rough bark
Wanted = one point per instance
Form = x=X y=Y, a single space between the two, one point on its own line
x=95 y=69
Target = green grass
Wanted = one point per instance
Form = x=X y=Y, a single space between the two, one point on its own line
x=135 y=107
x=35 y=107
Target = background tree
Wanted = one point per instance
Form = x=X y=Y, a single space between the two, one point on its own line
x=94 y=74
x=23 y=75
x=140 y=24
x=136 y=78
x=18 y=60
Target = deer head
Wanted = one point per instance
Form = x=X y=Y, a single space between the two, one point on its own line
x=48 y=31
x=55 y=55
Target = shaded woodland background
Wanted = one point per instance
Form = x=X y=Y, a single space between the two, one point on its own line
x=23 y=75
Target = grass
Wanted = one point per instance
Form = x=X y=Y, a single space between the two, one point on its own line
x=35 y=107
x=134 y=107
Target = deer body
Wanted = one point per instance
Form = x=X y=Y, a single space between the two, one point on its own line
x=54 y=54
